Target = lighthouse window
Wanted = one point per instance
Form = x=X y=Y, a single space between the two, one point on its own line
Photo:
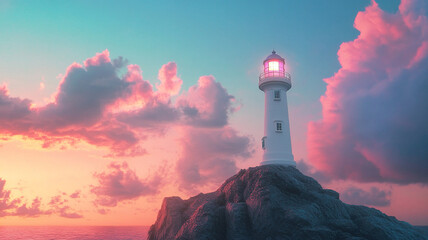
x=277 y=95
x=264 y=143
x=278 y=126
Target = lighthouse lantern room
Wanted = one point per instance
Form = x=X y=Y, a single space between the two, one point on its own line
x=275 y=82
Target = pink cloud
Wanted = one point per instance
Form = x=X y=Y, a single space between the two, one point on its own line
x=373 y=126
x=83 y=95
x=15 y=113
x=103 y=211
x=6 y=202
x=99 y=59
x=33 y=210
x=93 y=103
x=206 y=104
x=13 y=206
x=55 y=200
x=58 y=206
x=76 y=194
x=170 y=83
x=140 y=91
x=155 y=115
x=119 y=183
x=67 y=212
x=209 y=155
x=372 y=197
x=80 y=110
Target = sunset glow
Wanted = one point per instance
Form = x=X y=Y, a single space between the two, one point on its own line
x=107 y=108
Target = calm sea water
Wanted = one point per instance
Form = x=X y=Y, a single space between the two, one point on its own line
x=72 y=233
x=85 y=233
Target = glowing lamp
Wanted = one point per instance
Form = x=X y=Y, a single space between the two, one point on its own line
x=274 y=66
x=274 y=72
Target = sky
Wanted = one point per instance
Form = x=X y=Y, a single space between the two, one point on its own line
x=107 y=107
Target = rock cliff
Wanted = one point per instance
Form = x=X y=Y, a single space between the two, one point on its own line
x=273 y=202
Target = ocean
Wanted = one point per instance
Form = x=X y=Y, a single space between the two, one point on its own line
x=86 y=233
x=72 y=233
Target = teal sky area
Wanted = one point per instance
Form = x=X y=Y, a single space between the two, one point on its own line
x=226 y=39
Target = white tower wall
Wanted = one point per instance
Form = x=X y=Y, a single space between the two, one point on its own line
x=277 y=143
x=275 y=83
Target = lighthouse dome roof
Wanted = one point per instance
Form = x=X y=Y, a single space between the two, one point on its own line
x=274 y=56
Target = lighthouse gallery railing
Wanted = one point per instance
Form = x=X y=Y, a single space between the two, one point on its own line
x=281 y=76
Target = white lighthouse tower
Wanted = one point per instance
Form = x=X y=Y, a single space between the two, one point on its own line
x=275 y=82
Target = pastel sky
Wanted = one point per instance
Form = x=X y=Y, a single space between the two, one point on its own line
x=107 y=107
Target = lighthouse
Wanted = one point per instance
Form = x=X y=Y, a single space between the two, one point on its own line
x=275 y=82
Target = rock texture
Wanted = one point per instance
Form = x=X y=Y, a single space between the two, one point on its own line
x=273 y=202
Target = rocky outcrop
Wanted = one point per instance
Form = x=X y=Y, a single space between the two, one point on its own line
x=273 y=202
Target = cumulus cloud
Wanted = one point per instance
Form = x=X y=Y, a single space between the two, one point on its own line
x=76 y=194
x=58 y=206
x=14 y=207
x=79 y=109
x=119 y=183
x=154 y=116
x=209 y=155
x=14 y=113
x=170 y=83
x=32 y=210
x=207 y=104
x=375 y=107
x=6 y=202
x=372 y=197
x=56 y=200
x=308 y=170
x=67 y=212
x=140 y=92
x=95 y=104
x=103 y=211
x=84 y=94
